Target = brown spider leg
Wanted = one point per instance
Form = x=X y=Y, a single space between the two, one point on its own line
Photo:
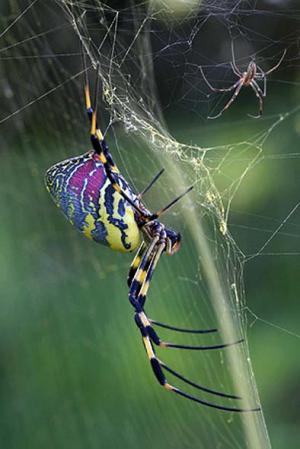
x=260 y=95
x=260 y=74
x=239 y=74
x=258 y=88
x=239 y=85
x=143 y=324
x=276 y=65
x=265 y=87
x=214 y=89
x=261 y=77
x=234 y=67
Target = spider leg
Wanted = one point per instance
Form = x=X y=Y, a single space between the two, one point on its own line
x=264 y=90
x=138 y=293
x=196 y=385
x=234 y=67
x=278 y=63
x=183 y=330
x=135 y=263
x=260 y=95
x=171 y=204
x=238 y=85
x=100 y=146
x=153 y=181
x=158 y=366
x=143 y=320
x=142 y=262
x=261 y=77
x=259 y=90
x=144 y=325
x=138 y=272
x=138 y=263
x=265 y=87
x=260 y=74
x=239 y=74
x=87 y=95
x=214 y=89
x=141 y=280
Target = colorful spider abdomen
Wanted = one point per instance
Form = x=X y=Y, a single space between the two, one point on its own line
x=82 y=190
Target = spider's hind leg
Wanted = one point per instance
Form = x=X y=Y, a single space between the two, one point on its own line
x=138 y=294
x=138 y=290
x=145 y=324
x=183 y=330
x=158 y=367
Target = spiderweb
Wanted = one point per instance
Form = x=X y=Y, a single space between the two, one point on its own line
x=74 y=371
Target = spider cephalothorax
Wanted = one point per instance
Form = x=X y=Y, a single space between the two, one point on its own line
x=99 y=202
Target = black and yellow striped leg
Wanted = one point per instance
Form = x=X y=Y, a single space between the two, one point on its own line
x=158 y=366
x=139 y=293
x=91 y=112
x=142 y=294
x=142 y=318
x=148 y=333
x=136 y=263
x=99 y=144
x=143 y=277
x=140 y=267
x=146 y=278
x=111 y=170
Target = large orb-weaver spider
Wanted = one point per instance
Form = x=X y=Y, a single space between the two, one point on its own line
x=99 y=202
x=248 y=78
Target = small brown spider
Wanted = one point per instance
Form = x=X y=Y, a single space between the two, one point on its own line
x=253 y=73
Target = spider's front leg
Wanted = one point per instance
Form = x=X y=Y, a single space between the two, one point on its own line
x=100 y=146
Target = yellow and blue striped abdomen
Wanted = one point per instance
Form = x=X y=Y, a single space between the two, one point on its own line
x=80 y=187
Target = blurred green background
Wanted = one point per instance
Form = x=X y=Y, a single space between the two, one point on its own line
x=73 y=369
